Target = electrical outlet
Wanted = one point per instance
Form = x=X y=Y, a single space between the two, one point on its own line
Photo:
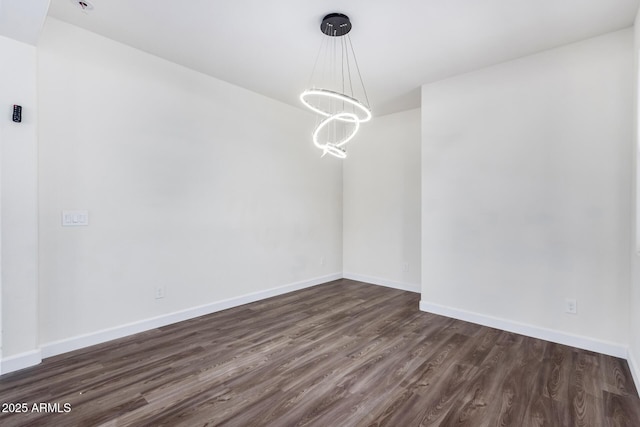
x=321 y=260
x=570 y=306
x=160 y=292
x=405 y=266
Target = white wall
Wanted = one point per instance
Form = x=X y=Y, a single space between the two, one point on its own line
x=382 y=202
x=18 y=198
x=191 y=183
x=526 y=180
x=634 y=300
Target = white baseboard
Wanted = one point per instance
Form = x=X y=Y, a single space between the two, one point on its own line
x=20 y=361
x=411 y=287
x=98 y=337
x=578 y=341
x=634 y=368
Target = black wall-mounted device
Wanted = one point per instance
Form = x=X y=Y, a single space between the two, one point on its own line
x=17 y=113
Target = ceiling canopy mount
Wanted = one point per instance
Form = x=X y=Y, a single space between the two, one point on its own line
x=335 y=25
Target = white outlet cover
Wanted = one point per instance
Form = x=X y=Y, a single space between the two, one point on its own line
x=570 y=306
x=161 y=291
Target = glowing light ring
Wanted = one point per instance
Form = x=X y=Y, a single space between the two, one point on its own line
x=362 y=109
x=334 y=151
x=334 y=147
x=341 y=117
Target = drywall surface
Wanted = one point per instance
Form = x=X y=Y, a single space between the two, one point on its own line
x=18 y=233
x=634 y=300
x=201 y=188
x=382 y=202
x=526 y=181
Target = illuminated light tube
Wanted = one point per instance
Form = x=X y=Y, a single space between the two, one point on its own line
x=363 y=110
x=345 y=117
x=334 y=151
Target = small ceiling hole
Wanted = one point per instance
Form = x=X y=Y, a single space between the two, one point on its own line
x=84 y=5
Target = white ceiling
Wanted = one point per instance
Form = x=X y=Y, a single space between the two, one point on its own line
x=269 y=47
x=22 y=19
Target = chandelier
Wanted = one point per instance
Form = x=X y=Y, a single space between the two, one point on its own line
x=336 y=89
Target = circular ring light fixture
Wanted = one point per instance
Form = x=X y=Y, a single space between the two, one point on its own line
x=346 y=117
x=336 y=99
x=334 y=151
x=307 y=96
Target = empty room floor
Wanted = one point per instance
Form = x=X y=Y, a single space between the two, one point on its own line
x=340 y=354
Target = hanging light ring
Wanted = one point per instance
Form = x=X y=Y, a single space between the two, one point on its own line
x=345 y=117
x=363 y=112
x=334 y=151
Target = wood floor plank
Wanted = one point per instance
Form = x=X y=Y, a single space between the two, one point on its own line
x=341 y=354
x=586 y=405
x=621 y=411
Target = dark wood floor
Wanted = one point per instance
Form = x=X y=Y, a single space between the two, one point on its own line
x=339 y=354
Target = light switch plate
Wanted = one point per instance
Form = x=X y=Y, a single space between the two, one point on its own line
x=75 y=218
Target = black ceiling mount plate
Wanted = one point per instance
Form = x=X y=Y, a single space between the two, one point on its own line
x=335 y=25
